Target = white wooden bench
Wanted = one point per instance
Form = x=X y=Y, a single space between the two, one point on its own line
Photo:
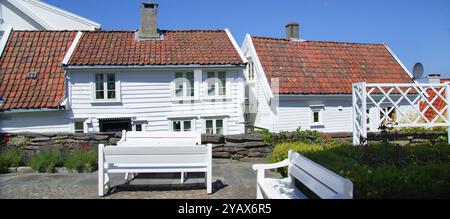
x=115 y=159
x=322 y=182
x=159 y=139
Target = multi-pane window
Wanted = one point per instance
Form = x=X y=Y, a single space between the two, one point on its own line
x=181 y=126
x=214 y=126
x=251 y=71
x=184 y=84
x=79 y=127
x=105 y=86
x=216 y=84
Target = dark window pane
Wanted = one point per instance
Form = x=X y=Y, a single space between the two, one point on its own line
x=111 y=78
x=139 y=128
x=177 y=126
x=111 y=95
x=99 y=78
x=100 y=95
x=316 y=117
x=187 y=126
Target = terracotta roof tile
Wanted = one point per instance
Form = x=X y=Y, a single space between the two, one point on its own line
x=316 y=67
x=439 y=103
x=175 y=48
x=38 y=51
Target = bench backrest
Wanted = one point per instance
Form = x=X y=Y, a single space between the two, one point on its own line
x=160 y=139
x=156 y=155
x=323 y=182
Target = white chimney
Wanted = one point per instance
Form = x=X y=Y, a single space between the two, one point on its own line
x=434 y=79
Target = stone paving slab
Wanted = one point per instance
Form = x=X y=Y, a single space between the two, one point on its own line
x=231 y=180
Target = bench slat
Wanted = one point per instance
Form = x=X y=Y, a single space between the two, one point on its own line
x=317 y=173
x=192 y=150
x=145 y=159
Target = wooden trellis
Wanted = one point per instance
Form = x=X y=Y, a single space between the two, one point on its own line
x=415 y=105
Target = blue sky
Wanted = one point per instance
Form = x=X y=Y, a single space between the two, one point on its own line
x=417 y=31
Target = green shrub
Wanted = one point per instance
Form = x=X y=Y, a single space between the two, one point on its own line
x=306 y=136
x=383 y=170
x=12 y=157
x=82 y=161
x=46 y=161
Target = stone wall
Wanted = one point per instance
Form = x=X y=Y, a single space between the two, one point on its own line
x=226 y=147
x=32 y=143
x=237 y=147
x=405 y=138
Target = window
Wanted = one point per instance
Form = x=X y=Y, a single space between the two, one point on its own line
x=214 y=126
x=251 y=71
x=78 y=127
x=317 y=115
x=115 y=125
x=216 y=84
x=105 y=86
x=138 y=127
x=184 y=84
x=181 y=126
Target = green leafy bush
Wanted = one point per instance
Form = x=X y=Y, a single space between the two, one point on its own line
x=82 y=161
x=307 y=136
x=383 y=170
x=12 y=157
x=46 y=160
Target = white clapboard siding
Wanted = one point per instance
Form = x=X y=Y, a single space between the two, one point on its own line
x=146 y=95
x=43 y=122
x=29 y=15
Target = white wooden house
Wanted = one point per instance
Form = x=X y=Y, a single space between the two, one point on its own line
x=103 y=81
x=38 y=15
x=295 y=83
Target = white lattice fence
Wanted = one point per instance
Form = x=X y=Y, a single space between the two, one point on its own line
x=400 y=105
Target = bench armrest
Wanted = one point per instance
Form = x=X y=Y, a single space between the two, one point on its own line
x=271 y=166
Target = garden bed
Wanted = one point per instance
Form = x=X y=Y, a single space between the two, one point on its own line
x=382 y=170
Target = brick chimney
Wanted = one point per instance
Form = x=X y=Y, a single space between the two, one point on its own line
x=434 y=79
x=293 y=31
x=149 y=22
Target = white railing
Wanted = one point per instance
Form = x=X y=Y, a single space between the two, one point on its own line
x=414 y=105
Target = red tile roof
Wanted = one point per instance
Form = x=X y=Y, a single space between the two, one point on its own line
x=439 y=103
x=316 y=67
x=37 y=51
x=175 y=48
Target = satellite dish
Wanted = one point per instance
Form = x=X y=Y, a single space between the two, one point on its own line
x=418 y=71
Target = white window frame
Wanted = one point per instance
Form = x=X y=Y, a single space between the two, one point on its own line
x=182 y=124
x=74 y=125
x=105 y=84
x=251 y=70
x=214 y=120
x=320 y=110
x=142 y=123
x=216 y=85
x=185 y=85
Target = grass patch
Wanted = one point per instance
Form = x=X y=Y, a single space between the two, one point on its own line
x=383 y=170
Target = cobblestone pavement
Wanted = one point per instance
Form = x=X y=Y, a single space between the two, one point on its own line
x=231 y=180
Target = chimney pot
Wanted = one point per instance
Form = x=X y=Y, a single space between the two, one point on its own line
x=293 y=31
x=434 y=78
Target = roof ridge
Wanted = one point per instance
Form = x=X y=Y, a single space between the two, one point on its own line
x=44 y=31
x=314 y=41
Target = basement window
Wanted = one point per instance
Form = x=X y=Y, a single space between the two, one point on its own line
x=182 y=126
x=115 y=125
x=78 y=126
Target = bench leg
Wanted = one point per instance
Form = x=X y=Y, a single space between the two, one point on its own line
x=182 y=177
x=209 y=182
x=126 y=176
x=259 y=194
x=101 y=183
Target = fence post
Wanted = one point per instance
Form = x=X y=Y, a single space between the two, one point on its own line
x=354 y=103
x=364 y=111
x=447 y=96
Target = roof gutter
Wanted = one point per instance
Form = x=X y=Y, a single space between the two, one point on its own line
x=152 y=67
x=33 y=110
